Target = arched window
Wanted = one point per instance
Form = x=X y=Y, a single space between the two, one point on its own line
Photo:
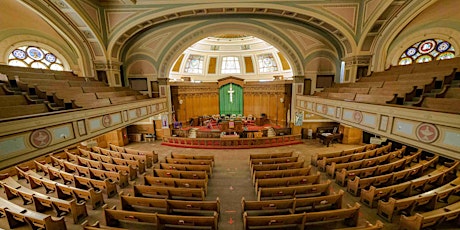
x=426 y=51
x=230 y=65
x=34 y=57
x=267 y=63
x=194 y=64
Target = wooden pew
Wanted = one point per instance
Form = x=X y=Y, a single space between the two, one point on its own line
x=350 y=216
x=152 y=153
x=367 y=226
x=294 y=191
x=376 y=99
x=366 y=162
x=130 y=219
x=269 y=155
x=427 y=199
x=190 y=156
x=132 y=172
x=279 y=173
x=22 y=110
x=313 y=204
x=280 y=166
x=184 y=167
x=63 y=191
x=316 y=156
x=98 y=226
x=188 y=161
x=274 y=222
x=43 y=202
x=187 y=222
x=121 y=100
x=273 y=160
x=147 y=159
x=343 y=175
x=441 y=104
x=169 y=192
x=119 y=177
x=18 y=216
x=431 y=218
x=177 y=182
x=136 y=164
x=12 y=100
x=180 y=174
x=143 y=204
x=83 y=103
x=268 y=207
x=79 y=181
x=287 y=181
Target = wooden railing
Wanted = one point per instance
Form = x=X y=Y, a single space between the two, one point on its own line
x=232 y=143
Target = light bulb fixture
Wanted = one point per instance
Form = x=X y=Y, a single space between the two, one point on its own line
x=281 y=100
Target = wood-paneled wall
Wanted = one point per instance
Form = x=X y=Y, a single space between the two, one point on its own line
x=271 y=98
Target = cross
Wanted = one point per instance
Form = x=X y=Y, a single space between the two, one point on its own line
x=231 y=93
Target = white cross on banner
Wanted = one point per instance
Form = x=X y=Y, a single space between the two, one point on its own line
x=231 y=93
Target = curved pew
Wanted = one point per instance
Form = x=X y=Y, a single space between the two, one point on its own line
x=180 y=174
x=79 y=181
x=427 y=199
x=273 y=160
x=119 y=177
x=147 y=159
x=193 y=157
x=294 y=191
x=184 y=167
x=431 y=218
x=280 y=166
x=177 y=182
x=287 y=181
x=130 y=219
x=137 y=164
x=169 y=192
x=368 y=226
x=63 y=191
x=316 y=156
x=279 y=173
x=189 y=161
x=269 y=155
x=43 y=202
x=18 y=216
x=187 y=222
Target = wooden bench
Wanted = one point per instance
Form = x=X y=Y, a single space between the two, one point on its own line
x=43 y=202
x=273 y=160
x=121 y=100
x=290 y=221
x=367 y=226
x=188 y=161
x=343 y=175
x=169 y=192
x=12 y=100
x=147 y=159
x=360 y=90
x=287 y=181
x=115 y=94
x=423 y=85
x=427 y=199
x=316 y=156
x=279 y=173
x=83 y=103
x=132 y=172
x=177 y=182
x=382 y=78
x=63 y=191
x=376 y=99
x=187 y=222
x=184 y=167
x=269 y=155
x=349 y=215
x=18 y=216
x=280 y=166
x=119 y=177
x=431 y=218
x=136 y=164
x=80 y=182
x=190 y=156
x=23 y=110
x=341 y=96
x=371 y=196
x=130 y=219
x=366 y=162
x=294 y=191
x=152 y=154
x=180 y=174
x=441 y=104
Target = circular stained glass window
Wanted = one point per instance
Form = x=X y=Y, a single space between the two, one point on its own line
x=427 y=46
x=35 y=53
x=20 y=54
x=50 y=57
x=443 y=46
x=411 y=51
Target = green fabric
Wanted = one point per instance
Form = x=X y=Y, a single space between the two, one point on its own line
x=227 y=107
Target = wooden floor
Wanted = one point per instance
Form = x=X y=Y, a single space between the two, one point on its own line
x=231 y=181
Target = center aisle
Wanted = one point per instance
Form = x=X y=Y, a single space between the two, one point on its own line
x=231 y=180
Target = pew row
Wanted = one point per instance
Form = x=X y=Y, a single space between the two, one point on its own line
x=177 y=182
x=279 y=173
x=300 y=191
x=169 y=192
x=184 y=167
x=287 y=181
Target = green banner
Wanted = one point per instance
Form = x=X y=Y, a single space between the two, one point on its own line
x=231 y=99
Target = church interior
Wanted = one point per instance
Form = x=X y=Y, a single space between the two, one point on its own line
x=249 y=114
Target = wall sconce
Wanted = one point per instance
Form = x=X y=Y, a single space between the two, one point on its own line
x=181 y=101
x=281 y=100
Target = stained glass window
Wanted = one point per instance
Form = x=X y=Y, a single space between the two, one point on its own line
x=267 y=63
x=194 y=64
x=230 y=65
x=426 y=51
x=34 y=57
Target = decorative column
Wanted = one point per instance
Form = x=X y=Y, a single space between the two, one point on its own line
x=112 y=69
x=356 y=67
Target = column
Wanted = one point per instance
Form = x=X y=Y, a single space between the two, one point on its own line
x=356 y=67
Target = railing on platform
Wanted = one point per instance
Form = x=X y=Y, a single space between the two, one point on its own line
x=232 y=143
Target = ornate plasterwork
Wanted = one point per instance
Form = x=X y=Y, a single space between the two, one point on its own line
x=346 y=12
